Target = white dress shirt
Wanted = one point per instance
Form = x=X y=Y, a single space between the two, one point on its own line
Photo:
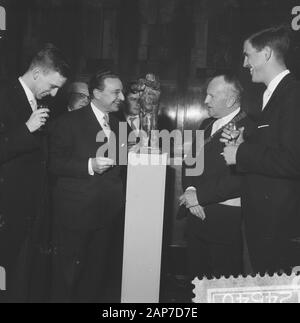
x=101 y=119
x=272 y=87
x=30 y=96
x=220 y=123
x=106 y=128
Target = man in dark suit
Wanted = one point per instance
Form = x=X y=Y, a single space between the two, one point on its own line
x=270 y=158
x=214 y=221
x=88 y=195
x=23 y=159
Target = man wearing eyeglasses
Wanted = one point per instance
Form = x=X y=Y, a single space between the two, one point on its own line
x=78 y=96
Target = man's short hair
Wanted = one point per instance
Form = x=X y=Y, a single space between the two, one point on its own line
x=277 y=38
x=79 y=88
x=236 y=86
x=98 y=79
x=131 y=88
x=50 y=58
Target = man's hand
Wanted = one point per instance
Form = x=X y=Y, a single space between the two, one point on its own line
x=190 y=200
x=228 y=136
x=198 y=211
x=100 y=166
x=229 y=154
x=37 y=119
x=135 y=148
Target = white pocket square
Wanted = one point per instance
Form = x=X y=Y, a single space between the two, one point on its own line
x=263 y=126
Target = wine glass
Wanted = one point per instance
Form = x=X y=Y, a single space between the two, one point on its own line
x=42 y=105
x=234 y=132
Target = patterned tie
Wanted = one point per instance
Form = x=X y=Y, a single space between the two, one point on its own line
x=106 y=121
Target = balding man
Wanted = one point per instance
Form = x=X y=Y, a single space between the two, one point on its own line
x=79 y=96
x=214 y=220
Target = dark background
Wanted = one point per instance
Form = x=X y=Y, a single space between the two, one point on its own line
x=183 y=41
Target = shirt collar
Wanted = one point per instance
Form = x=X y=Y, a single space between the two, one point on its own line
x=30 y=96
x=128 y=117
x=276 y=80
x=223 y=121
x=99 y=114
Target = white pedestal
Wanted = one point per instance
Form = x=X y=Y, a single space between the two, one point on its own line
x=143 y=228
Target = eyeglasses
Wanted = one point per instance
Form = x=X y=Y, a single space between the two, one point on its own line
x=81 y=95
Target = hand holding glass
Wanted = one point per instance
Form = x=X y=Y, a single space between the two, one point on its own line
x=234 y=132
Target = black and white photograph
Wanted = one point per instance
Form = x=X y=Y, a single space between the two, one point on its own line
x=150 y=153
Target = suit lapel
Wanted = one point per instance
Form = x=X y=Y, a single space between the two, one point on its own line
x=21 y=103
x=280 y=89
x=94 y=127
x=207 y=127
x=92 y=121
x=129 y=129
x=207 y=136
x=114 y=124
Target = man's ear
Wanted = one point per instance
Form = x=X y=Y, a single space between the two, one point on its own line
x=268 y=52
x=36 y=73
x=231 y=100
x=97 y=93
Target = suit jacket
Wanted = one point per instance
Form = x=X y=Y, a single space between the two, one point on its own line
x=270 y=160
x=22 y=160
x=120 y=116
x=217 y=183
x=82 y=201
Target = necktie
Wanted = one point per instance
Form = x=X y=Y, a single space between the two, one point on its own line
x=132 y=125
x=266 y=97
x=106 y=121
x=106 y=126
